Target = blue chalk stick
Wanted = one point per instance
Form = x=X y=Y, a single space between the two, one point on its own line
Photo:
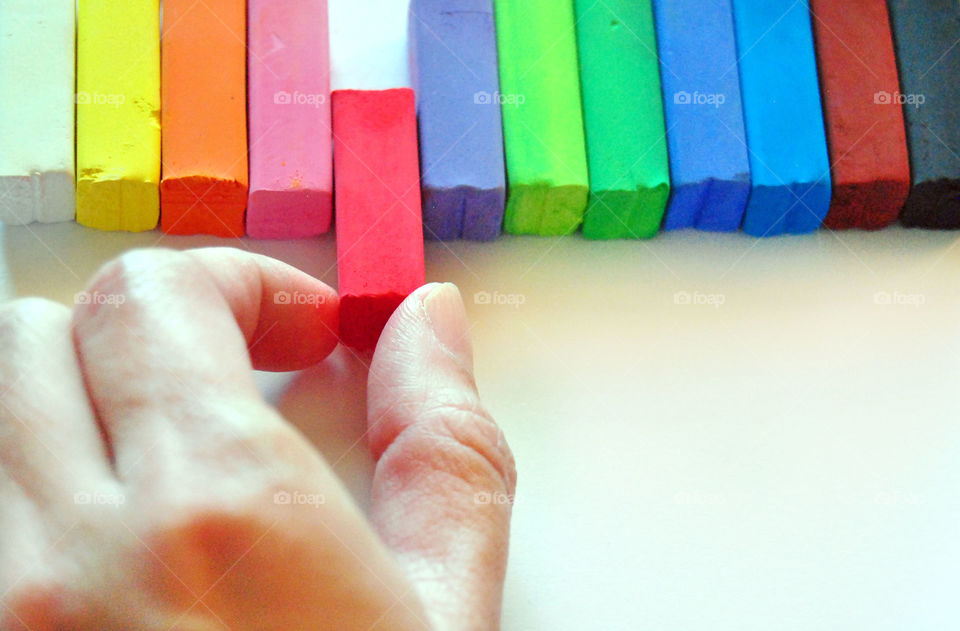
x=709 y=163
x=789 y=162
x=453 y=61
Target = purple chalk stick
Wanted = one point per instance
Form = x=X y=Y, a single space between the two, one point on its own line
x=453 y=61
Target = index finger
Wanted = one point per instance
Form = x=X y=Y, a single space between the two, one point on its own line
x=167 y=340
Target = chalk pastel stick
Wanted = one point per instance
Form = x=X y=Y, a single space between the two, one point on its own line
x=204 y=87
x=623 y=115
x=291 y=156
x=709 y=162
x=867 y=140
x=37 y=64
x=789 y=165
x=926 y=34
x=378 y=222
x=453 y=63
x=542 y=119
x=118 y=114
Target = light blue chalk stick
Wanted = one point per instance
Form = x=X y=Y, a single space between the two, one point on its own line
x=789 y=162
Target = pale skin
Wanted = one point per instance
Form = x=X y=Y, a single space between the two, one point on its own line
x=146 y=484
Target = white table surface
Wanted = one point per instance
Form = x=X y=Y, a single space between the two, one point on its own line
x=788 y=459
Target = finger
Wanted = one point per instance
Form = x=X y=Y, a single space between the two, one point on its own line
x=52 y=455
x=165 y=340
x=290 y=323
x=50 y=444
x=444 y=474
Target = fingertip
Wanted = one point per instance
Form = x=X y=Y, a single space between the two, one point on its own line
x=437 y=310
x=298 y=324
x=447 y=318
x=408 y=314
x=289 y=318
x=411 y=358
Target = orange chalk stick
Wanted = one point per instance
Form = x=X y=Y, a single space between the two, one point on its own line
x=204 y=118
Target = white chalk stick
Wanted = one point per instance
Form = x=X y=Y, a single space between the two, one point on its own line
x=37 y=106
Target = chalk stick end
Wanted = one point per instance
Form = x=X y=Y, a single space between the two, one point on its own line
x=362 y=318
x=633 y=214
x=289 y=214
x=545 y=210
x=47 y=197
x=483 y=214
x=118 y=205
x=867 y=205
x=797 y=208
x=933 y=204
x=463 y=212
x=203 y=205
x=711 y=205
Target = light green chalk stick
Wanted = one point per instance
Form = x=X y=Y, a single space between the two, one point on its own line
x=623 y=109
x=542 y=117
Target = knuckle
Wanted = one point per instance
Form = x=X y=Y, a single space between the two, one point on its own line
x=129 y=287
x=462 y=440
x=208 y=533
x=473 y=429
x=204 y=540
x=28 y=315
x=27 y=326
x=125 y=273
x=37 y=605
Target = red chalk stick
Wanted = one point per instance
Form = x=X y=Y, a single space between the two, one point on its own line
x=378 y=216
x=865 y=129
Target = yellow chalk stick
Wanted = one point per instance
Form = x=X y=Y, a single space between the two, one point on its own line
x=118 y=114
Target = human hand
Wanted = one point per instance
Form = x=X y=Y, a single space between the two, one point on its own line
x=145 y=484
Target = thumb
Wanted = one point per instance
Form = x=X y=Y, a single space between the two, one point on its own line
x=445 y=476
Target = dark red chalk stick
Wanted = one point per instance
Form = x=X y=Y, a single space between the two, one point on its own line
x=865 y=128
x=378 y=216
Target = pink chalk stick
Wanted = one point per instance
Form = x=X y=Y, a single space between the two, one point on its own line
x=291 y=166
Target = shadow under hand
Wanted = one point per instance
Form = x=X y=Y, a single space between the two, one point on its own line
x=328 y=404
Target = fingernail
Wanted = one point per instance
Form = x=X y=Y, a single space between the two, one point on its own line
x=447 y=317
